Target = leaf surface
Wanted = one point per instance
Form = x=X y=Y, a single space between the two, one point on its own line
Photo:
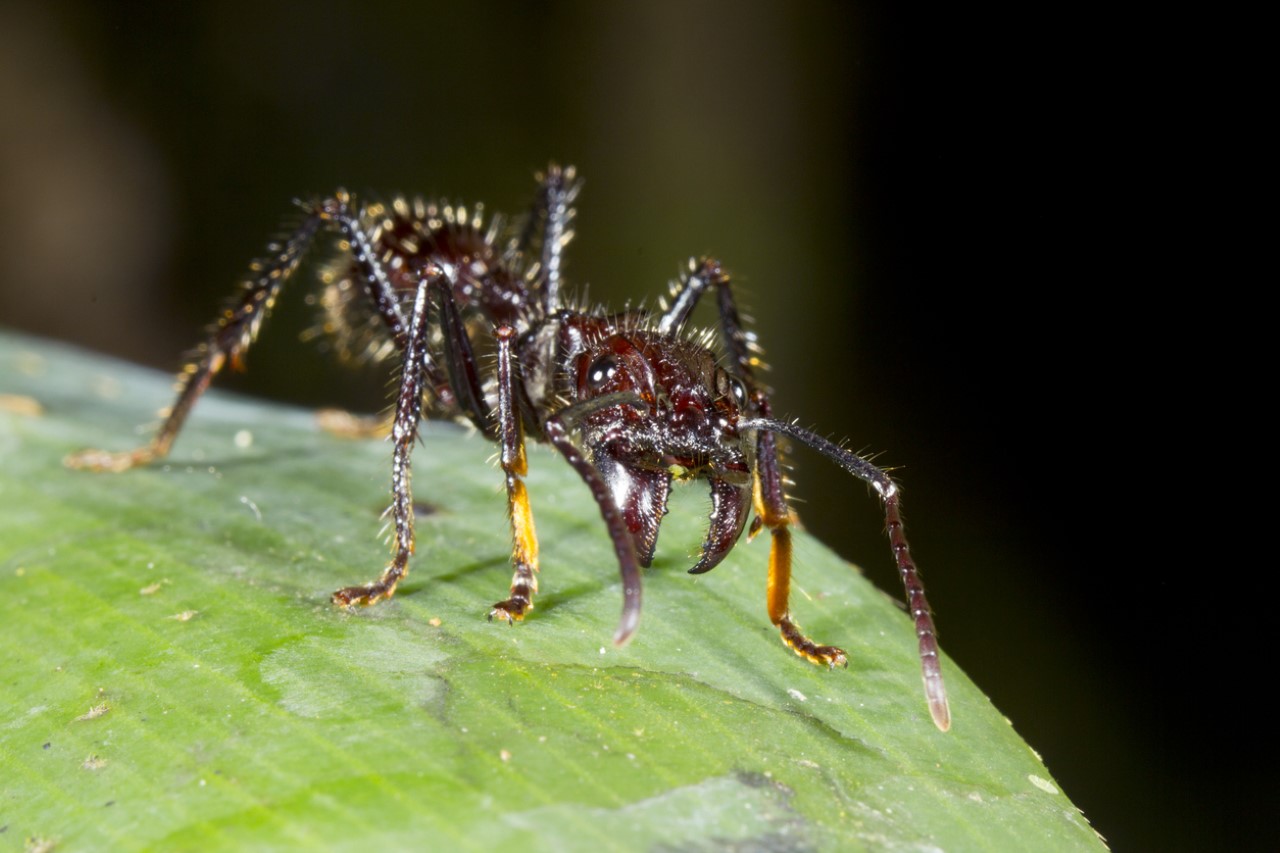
x=175 y=676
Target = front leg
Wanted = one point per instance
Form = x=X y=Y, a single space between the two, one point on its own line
x=927 y=635
x=524 y=550
x=769 y=494
x=772 y=511
x=404 y=433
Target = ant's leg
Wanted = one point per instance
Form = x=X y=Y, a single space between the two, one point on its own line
x=771 y=502
x=231 y=336
x=547 y=225
x=368 y=257
x=364 y=249
x=559 y=190
x=770 y=496
x=772 y=512
x=461 y=363
x=700 y=275
x=377 y=280
x=404 y=434
x=917 y=604
x=524 y=552
x=236 y=329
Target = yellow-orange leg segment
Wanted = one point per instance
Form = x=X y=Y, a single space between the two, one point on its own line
x=524 y=549
x=779 y=570
x=769 y=497
x=778 y=591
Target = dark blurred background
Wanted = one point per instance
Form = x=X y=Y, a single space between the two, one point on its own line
x=936 y=221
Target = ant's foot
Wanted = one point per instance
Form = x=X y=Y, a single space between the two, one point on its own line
x=108 y=461
x=809 y=650
x=512 y=610
x=829 y=656
x=370 y=593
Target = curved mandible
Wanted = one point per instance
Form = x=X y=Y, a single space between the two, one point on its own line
x=556 y=429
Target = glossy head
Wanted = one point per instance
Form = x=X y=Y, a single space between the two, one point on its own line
x=662 y=409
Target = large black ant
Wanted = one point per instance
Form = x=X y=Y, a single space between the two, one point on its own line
x=632 y=400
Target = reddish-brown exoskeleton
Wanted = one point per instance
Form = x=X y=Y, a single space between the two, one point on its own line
x=632 y=401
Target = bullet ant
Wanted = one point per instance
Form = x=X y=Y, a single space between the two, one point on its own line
x=631 y=400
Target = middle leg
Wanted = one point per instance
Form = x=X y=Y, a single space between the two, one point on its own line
x=404 y=434
x=524 y=550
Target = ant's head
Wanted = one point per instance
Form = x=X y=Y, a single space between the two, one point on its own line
x=658 y=408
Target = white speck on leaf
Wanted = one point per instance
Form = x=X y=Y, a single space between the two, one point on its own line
x=1043 y=784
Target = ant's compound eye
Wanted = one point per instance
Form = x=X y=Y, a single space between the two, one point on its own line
x=601 y=371
x=728 y=385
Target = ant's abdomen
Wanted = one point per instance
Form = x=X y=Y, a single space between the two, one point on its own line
x=409 y=234
x=482 y=277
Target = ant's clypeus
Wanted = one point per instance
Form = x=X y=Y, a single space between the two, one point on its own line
x=632 y=400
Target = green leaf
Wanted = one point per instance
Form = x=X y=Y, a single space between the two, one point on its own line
x=175 y=677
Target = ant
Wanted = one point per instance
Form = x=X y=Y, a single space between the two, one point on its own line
x=633 y=400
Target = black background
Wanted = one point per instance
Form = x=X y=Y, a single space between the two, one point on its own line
x=943 y=223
